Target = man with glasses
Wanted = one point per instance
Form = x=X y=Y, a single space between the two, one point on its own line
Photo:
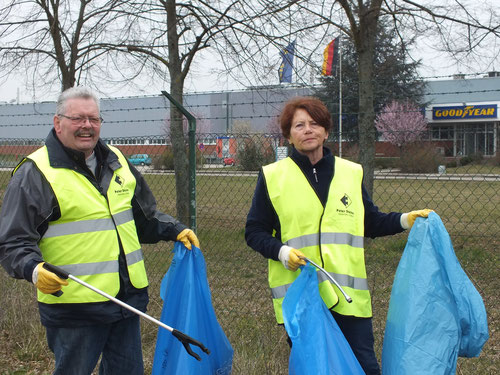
x=78 y=204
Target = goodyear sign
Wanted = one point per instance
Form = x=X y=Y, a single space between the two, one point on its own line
x=463 y=112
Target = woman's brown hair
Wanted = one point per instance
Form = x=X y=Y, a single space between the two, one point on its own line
x=315 y=107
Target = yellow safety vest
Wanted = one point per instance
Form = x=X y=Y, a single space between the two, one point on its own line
x=332 y=236
x=85 y=240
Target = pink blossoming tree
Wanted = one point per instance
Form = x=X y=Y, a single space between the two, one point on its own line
x=401 y=123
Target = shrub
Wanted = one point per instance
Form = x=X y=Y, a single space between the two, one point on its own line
x=351 y=151
x=386 y=163
x=165 y=160
x=251 y=157
x=476 y=158
x=420 y=157
x=451 y=164
x=466 y=160
x=199 y=157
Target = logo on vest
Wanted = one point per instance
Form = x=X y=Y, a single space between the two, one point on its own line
x=120 y=181
x=346 y=201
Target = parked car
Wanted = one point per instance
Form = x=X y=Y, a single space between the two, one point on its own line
x=140 y=159
x=229 y=161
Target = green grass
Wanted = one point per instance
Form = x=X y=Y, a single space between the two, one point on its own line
x=4 y=180
x=238 y=276
x=9 y=161
x=475 y=169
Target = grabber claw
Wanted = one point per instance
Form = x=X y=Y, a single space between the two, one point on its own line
x=186 y=340
x=182 y=337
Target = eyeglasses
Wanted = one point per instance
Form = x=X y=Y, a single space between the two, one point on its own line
x=78 y=120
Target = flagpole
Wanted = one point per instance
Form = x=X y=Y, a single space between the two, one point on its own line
x=340 y=97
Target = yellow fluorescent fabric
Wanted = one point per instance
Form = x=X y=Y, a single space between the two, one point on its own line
x=331 y=236
x=85 y=240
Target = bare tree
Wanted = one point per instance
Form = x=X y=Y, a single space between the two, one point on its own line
x=203 y=125
x=455 y=24
x=54 y=41
x=172 y=34
x=69 y=42
x=75 y=42
x=162 y=38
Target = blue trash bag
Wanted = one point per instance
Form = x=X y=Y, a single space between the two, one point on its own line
x=187 y=307
x=318 y=345
x=435 y=312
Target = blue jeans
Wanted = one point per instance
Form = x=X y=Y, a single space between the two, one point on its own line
x=77 y=349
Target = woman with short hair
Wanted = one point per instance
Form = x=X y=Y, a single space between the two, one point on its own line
x=313 y=204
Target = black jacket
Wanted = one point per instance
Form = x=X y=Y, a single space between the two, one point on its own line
x=262 y=218
x=30 y=204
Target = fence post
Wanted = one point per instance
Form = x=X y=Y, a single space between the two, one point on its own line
x=192 y=158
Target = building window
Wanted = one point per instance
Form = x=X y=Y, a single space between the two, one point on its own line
x=208 y=140
x=158 y=141
x=477 y=138
x=442 y=132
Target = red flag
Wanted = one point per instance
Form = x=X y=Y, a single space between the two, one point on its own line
x=330 y=58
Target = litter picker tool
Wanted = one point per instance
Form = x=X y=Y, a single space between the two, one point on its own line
x=182 y=337
x=330 y=277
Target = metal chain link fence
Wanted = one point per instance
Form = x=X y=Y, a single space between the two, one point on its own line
x=464 y=191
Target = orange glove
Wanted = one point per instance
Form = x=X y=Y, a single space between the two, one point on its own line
x=290 y=258
x=408 y=219
x=47 y=282
x=188 y=238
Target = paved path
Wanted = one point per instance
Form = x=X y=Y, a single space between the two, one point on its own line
x=379 y=175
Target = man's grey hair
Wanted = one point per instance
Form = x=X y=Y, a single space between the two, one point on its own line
x=75 y=93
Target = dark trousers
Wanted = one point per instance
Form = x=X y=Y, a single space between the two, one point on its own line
x=77 y=349
x=359 y=334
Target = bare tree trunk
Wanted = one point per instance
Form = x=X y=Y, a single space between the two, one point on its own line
x=181 y=164
x=66 y=68
x=364 y=39
x=366 y=121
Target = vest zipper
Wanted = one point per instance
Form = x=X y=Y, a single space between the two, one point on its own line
x=315 y=175
x=319 y=239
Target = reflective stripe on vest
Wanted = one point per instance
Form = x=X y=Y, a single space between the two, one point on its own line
x=84 y=226
x=332 y=236
x=326 y=239
x=86 y=239
x=343 y=280
x=101 y=267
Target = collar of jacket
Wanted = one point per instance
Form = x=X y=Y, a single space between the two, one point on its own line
x=305 y=164
x=61 y=156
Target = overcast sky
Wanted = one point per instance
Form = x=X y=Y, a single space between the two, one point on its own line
x=435 y=65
